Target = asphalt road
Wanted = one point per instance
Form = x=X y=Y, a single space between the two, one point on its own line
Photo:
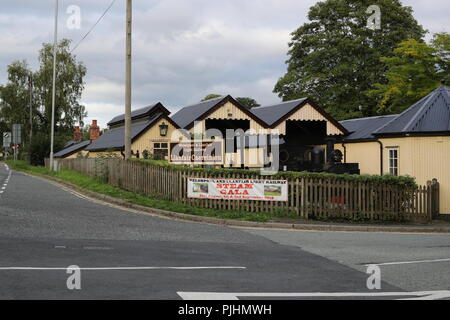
x=45 y=228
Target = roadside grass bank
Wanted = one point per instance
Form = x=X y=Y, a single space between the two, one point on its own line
x=155 y=202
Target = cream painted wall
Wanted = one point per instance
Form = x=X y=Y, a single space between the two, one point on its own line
x=308 y=113
x=152 y=135
x=224 y=113
x=367 y=154
x=424 y=158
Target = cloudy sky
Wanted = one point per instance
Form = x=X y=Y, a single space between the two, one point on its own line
x=182 y=49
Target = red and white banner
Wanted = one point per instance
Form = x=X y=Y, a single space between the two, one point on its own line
x=236 y=189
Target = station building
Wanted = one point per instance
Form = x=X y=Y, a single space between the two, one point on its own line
x=415 y=142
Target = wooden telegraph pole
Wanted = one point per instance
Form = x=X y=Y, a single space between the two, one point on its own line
x=128 y=82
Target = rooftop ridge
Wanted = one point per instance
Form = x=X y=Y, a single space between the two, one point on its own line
x=202 y=102
x=278 y=104
x=374 y=117
x=422 y=111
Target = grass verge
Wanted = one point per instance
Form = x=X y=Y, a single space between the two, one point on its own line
x=156 y=202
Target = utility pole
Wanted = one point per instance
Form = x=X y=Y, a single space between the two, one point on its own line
x=31 y=107
x=55 y=39
x=128 y=83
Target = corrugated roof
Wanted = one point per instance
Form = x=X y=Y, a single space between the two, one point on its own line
x=273 y=113
x=191 y=113
x=363 y=128
x=114 y=138
x=72 y=149
x=430 y=114
x=134 y=114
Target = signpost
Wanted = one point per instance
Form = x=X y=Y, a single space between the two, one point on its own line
x=6 y=139
x=16 y=139
x=6 y=142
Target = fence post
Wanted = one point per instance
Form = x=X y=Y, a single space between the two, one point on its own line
x=435 y=210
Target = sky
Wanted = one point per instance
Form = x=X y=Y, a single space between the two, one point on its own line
x=182 y=49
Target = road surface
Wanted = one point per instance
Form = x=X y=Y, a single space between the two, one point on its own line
x=123 y=254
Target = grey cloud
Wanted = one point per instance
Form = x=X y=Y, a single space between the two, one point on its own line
x=182 y=50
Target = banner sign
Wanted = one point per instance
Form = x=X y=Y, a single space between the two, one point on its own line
x=262 y=190
x=199 y=153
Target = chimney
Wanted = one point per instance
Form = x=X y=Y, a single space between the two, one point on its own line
x=94 y=131
x=77 y=134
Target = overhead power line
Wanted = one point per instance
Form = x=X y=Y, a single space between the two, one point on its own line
x=93 y=27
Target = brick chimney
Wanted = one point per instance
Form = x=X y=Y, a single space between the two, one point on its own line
x=94 y=131
x=77 y=135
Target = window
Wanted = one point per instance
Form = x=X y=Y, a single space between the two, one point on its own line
x=161 y=149
x=393 y=161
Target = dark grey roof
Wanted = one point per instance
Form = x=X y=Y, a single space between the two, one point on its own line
x=363 y=128
x=273 y=113
x=114 y=138
x=430 y=114
x=189 y=114
x=134 y=114
x=72 y=149
x=69 y=143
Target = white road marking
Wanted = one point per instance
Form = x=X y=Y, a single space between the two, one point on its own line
x=407 y=262
x=420 y=295
x=5 y=183
x=97 y=248
x=119 y=268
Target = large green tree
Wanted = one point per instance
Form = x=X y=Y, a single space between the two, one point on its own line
x=335 y=58
x=69 y=86
x=415 y=70
x=15 y=97
x=247 y=102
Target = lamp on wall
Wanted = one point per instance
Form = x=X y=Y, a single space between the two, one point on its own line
x=163 y=128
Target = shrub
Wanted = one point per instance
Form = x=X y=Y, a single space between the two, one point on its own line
x=402 y=181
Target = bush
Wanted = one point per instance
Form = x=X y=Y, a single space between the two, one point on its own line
x=402 y=181
x=40 y=147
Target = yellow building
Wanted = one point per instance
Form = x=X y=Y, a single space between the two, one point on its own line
x=301 y=126
x=151 y=130
x=415 y=143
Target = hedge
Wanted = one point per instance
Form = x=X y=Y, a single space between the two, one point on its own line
x=402 y=181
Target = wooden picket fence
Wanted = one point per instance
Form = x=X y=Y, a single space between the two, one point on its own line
x=309 y=198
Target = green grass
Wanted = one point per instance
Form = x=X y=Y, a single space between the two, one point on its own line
x=156 y=202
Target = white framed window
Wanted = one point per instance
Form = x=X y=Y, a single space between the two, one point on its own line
x=393 y=161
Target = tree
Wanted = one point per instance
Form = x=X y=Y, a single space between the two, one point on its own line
x=70 y=85
x=15 y=98
x=335 y=58
x=413 y=72
x=211 y=96
x=15 y=95
x=249 y=103
x=441 y=43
